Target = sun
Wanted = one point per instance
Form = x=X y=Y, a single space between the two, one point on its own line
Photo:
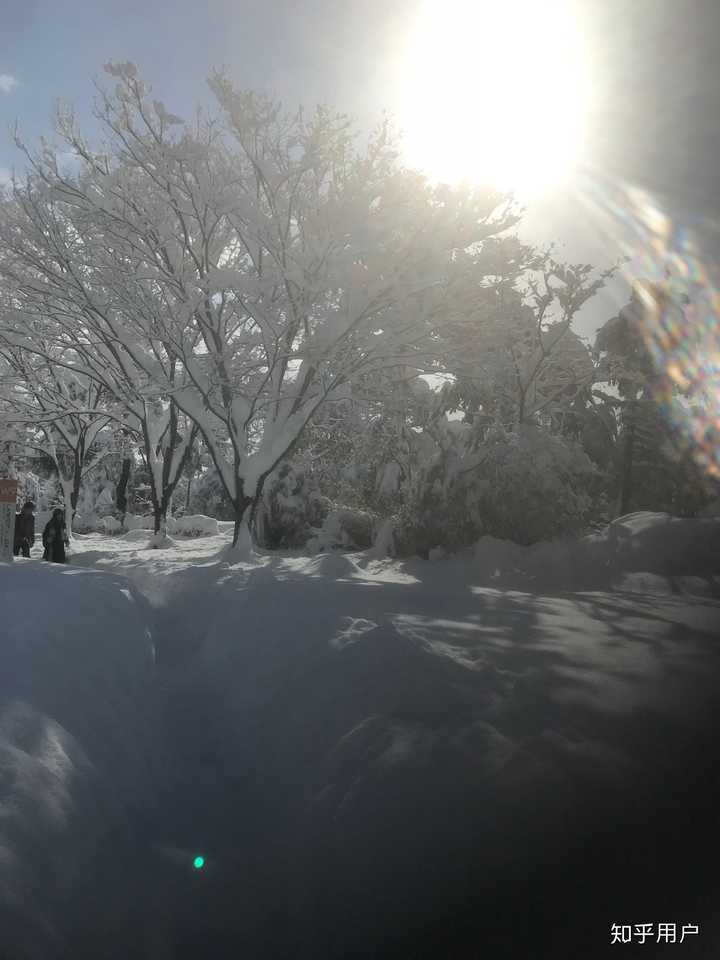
x=494 y=91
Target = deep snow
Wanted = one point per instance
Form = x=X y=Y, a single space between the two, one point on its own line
x=76 y=722
x=452 y=758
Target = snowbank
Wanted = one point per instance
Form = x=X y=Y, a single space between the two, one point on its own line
x=76 y=669
x=77 y=644
x=138 y=528
x=160 y=541
x=137 y=534
x=133 y=522
x=193 y=526
x=670 y=554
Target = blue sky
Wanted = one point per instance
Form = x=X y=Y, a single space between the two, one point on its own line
x=310 y=50
x=656 y=121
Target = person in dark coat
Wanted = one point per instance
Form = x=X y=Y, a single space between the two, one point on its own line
x=24 y=536
x=55 y=537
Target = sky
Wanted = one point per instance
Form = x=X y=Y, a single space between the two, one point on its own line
x=652 y=124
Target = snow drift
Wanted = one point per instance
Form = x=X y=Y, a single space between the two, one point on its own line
x=194 y=525
x=451 y=758
x=676 y=555
x=395 y=760
x=76 y=671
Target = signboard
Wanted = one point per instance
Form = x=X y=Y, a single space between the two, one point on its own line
x=8 y=499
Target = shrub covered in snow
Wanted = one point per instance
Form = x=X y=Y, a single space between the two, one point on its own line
x=524 y=485
x=345 y=528
x=291 y=508
x=533 y=486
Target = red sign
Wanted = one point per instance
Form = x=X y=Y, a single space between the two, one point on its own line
x=8 y=491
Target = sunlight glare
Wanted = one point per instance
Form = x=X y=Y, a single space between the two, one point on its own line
x=494 y=91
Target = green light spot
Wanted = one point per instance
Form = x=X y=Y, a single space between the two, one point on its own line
x=199 y=863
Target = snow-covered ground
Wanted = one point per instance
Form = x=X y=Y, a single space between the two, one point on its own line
x=497 y=754
x=76 y=729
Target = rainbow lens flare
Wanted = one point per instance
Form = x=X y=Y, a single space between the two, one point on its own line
x=677 y=289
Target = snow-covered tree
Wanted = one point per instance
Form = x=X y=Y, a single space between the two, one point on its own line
x=168 y=437
x=67 y=362
x=636 y=349
x=61 y=411
x=246 y=266
x=508 y=344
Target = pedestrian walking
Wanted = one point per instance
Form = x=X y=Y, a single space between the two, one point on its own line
x=55 y=538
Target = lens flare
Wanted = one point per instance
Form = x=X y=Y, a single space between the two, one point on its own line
x=679 y=292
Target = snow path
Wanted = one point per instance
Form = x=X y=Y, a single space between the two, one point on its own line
x=349 y=739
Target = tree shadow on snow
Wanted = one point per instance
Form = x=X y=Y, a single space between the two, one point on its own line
x=423 y=767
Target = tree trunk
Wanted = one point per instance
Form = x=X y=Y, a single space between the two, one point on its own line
x=254 y=506
x=78 y=458
x=187 y=495
x=159 y=517
x=259 y=524
x=68 y=492
x=163 y=481
x=74 y=496
x=121 y=490
x=626 y=482
x=242 y=534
